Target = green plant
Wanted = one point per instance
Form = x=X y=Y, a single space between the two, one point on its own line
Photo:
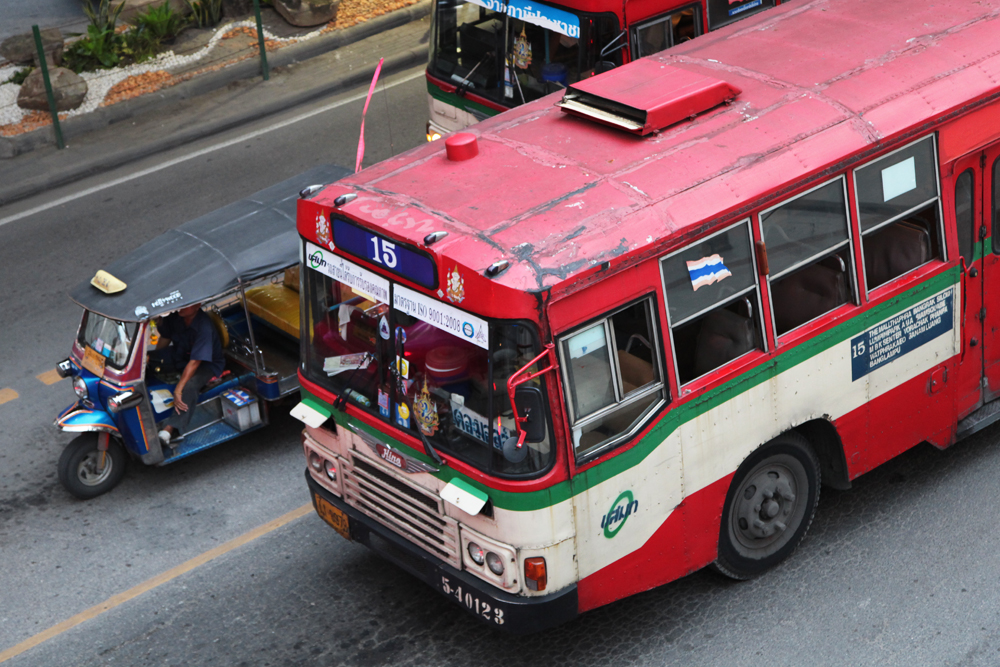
x=139 y=45
x=206 y=13
x=162 y=22
x=19 y=76
x=99 y=49
x=103 y=16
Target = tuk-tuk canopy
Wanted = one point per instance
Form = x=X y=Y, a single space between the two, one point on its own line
x=208 y=256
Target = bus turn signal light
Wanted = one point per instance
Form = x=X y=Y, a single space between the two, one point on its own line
x=534 y=573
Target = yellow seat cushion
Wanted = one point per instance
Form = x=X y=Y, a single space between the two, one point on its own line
x=277 y=305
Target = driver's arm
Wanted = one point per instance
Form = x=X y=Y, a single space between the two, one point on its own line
x=189 y=371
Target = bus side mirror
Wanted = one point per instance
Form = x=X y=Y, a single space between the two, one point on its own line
x=531 y=404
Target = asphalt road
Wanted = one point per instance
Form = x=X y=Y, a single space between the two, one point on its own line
x=20 y=15
x=901 y=570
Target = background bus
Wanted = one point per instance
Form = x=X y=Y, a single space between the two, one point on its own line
x=711 y=282
x=487 y=56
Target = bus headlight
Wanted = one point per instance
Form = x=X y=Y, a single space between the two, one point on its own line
x=331 y=470
x=495 y=563
x=315 y=462
x=476 y=553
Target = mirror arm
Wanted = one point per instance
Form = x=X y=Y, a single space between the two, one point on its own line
x=519 y=378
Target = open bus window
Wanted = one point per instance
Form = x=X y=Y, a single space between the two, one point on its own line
x=664 y=31
x=898 y=208
x=612 y=376
x=712 y=302
x=808 y=250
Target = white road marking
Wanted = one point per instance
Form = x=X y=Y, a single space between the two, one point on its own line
x=199 y=153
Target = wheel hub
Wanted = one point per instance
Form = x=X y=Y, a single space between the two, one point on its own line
x=91 y=471
x=765 y=507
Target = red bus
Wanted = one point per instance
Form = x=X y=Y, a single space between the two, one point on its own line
x=626 y=332
x=487 y=56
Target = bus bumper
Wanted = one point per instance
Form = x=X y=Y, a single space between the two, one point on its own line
x=513 y=614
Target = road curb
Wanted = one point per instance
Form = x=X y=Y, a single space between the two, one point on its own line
x=76 y=126
x=77 y=171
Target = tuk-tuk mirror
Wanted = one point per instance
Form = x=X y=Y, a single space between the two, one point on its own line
x=531 y=405
x=124 y=401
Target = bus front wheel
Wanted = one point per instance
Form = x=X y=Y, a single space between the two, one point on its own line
x=769 y=507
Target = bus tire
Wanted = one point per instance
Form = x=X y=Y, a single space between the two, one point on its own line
x=79 y=470
x=769 y=507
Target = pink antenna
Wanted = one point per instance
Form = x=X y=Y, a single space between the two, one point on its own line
x=361 y=141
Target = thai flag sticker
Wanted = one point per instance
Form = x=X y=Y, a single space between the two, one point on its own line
x=707 y=270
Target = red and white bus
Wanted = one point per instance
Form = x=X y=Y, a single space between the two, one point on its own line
x=617 y=335
x=487 y=56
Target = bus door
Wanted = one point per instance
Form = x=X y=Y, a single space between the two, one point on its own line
x=990 y=249
x=971 y=198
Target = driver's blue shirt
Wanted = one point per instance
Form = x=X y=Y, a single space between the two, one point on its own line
x=199 y=341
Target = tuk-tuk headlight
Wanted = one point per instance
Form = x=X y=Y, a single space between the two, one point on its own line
x=80 y=387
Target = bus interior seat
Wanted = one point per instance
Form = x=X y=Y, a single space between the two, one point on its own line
x=891 y=252
x=723 y=336
x=635 y=372
x=277 y=303
x=807 y=294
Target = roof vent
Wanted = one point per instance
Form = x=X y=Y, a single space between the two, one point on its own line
x=461 y=146
x=645 y=96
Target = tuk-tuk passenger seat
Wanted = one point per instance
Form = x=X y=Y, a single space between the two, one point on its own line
x=278 y=303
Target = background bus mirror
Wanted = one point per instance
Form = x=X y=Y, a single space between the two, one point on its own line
x=531 y=406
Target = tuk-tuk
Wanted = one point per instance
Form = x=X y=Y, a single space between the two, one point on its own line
x=241 y=264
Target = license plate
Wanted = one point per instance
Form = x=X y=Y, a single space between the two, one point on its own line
x=334 y=517
x=93 y=361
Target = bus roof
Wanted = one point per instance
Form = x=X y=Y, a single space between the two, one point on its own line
x=556 y=195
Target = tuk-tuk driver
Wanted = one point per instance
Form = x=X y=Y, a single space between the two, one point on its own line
x=196 y=352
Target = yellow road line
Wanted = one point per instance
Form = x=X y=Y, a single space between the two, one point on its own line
x=7 y=395
x=49 y=377
x=150 y=584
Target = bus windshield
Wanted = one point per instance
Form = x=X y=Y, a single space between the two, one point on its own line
x=515 y=52
x=418 y=364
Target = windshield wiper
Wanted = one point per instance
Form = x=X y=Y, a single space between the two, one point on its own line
x=466 y=80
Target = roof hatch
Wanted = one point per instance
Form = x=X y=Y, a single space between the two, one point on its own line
x=645 y=96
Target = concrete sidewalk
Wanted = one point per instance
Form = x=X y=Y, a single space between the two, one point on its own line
x=218 y=101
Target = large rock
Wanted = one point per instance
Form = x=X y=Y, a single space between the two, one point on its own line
x=306 y=13
x=67 y=88
x=133 y=7
x=20 y=49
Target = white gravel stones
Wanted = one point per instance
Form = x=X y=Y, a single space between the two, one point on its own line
x=102 y=81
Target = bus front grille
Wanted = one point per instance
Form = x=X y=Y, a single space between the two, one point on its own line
x=405 y=508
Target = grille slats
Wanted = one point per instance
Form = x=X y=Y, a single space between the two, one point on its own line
x=414 y=513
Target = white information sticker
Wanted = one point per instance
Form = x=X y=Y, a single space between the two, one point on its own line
x=360 y=279
x=899 y=179
x=441 y=315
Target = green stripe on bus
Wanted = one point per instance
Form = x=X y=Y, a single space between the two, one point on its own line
x=458 y=101
x=679 y=415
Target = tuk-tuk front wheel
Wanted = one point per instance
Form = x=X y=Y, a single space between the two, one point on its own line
x=87 y=472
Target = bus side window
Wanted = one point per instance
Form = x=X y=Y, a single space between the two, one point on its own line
x=965 y=216
x=898 y=208
x=664 y=31
x=809 y=255
x=996 y=207
x=612 y=376
x=712 y=302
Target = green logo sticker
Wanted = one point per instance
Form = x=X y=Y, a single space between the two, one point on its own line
x=615 y=519
x=316 y=260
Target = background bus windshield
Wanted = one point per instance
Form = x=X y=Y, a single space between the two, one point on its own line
x=521 y=55
x=414 y=374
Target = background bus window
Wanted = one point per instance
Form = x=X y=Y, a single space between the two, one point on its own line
x=712 y=302
x=665 y=31
x=613 y=378
x=898 y=208
x=808 y=252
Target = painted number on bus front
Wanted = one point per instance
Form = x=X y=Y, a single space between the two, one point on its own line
x=472 y=603
x=388 y=255
x=858 y=349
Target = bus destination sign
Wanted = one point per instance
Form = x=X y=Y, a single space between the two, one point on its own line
x=387 y=254
x=901 y=334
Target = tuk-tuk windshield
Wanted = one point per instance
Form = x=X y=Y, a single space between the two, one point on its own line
x=110 y=338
